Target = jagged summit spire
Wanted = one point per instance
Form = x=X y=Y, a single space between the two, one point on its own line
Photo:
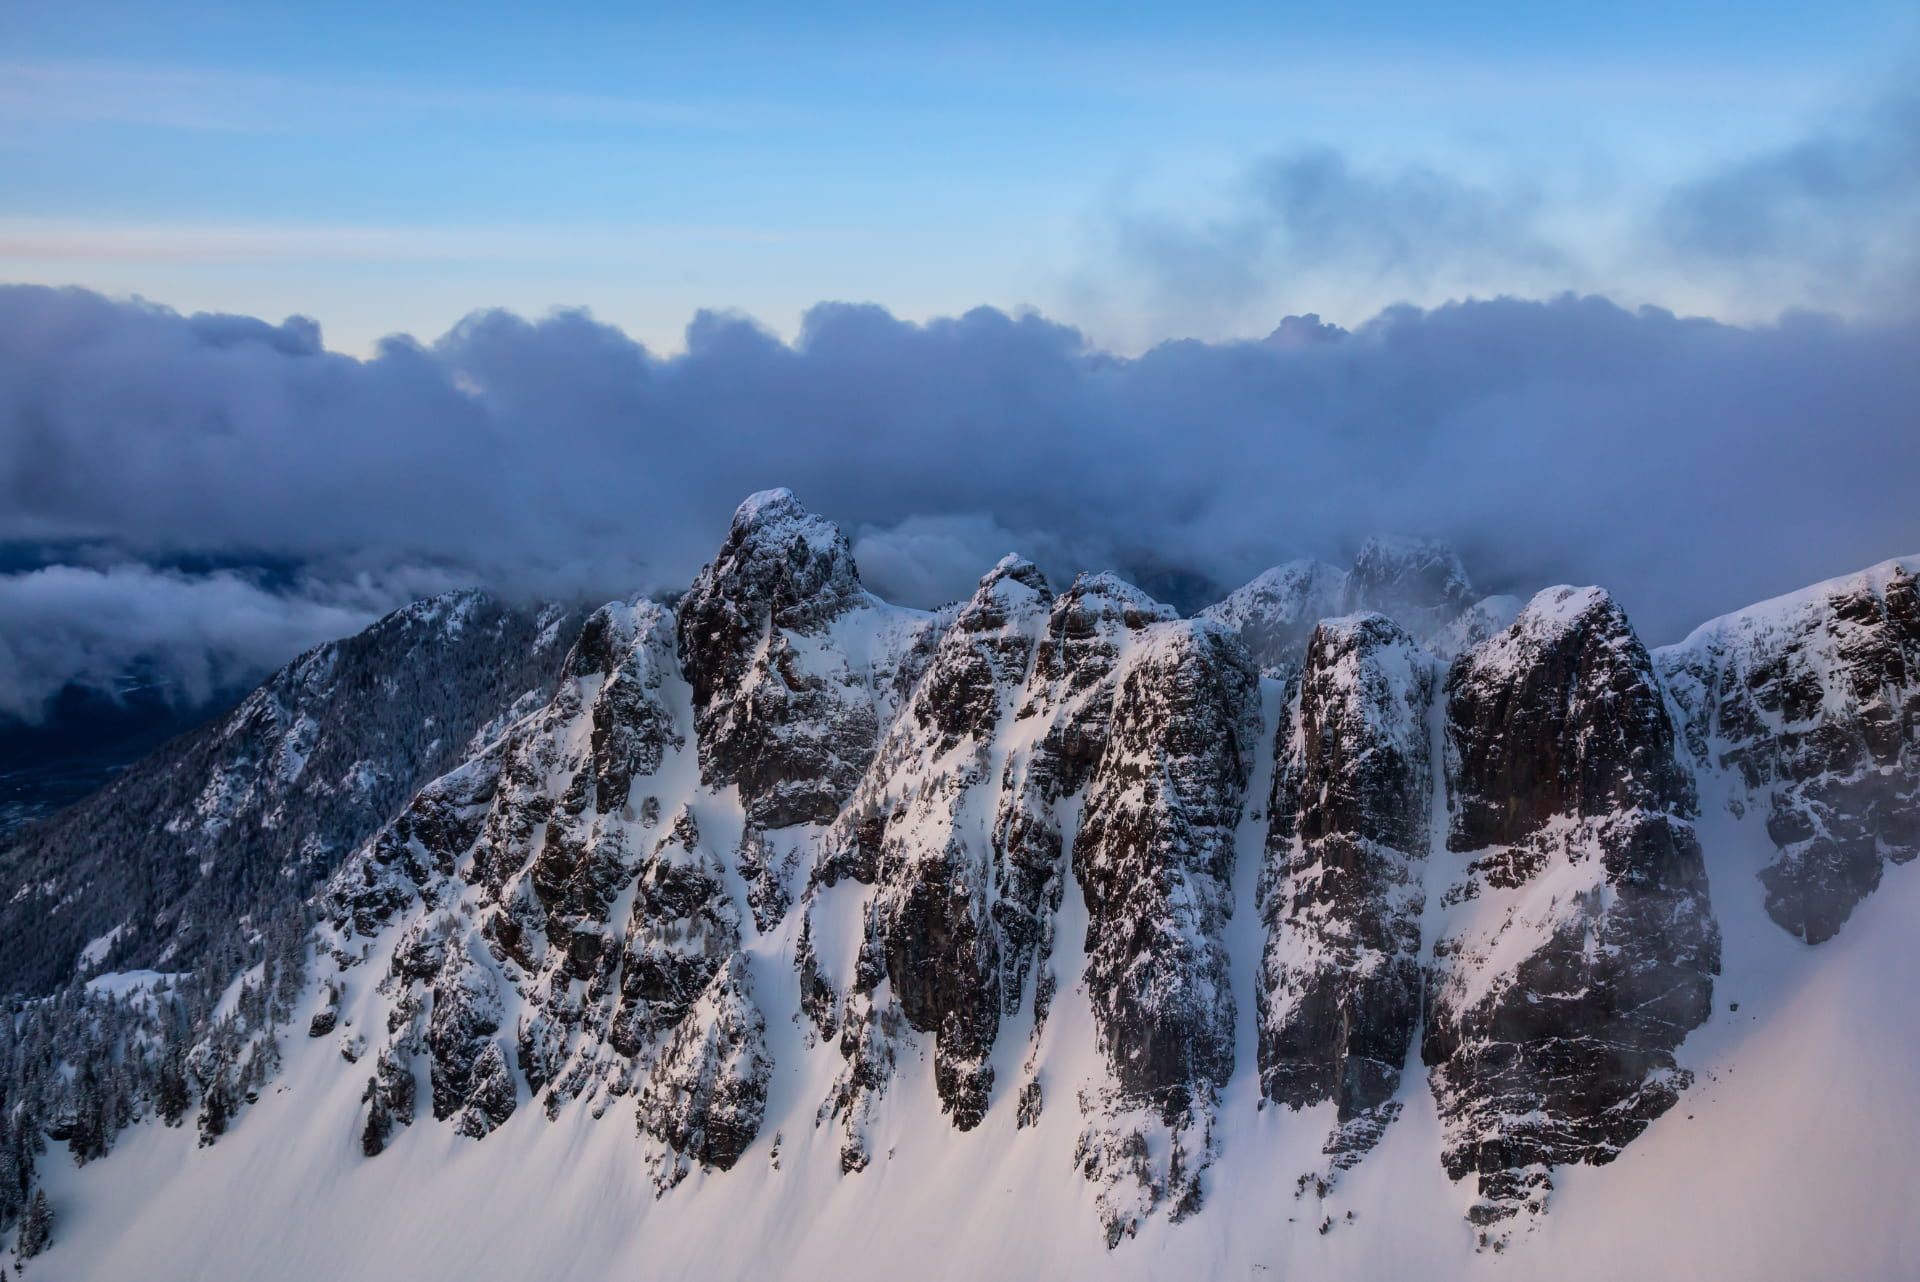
x=1410 y=577
x=1417 y=581
x=1020 y=570
x=794 y=744
x=764 y=504
x=777 y=555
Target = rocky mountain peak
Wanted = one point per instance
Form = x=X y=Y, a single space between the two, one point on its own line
x=1343 y=891
x=1574 y=722
x=778 y=709
x=1276 y=612
x=1103 y=595
x=1581 y=947
x=782 y=559
x=1417 y=581
x=1008 y=588
x=1812 y=702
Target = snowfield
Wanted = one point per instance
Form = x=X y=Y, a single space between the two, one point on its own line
x=1793 y=1156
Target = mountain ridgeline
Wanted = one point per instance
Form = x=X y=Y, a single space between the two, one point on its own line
x=1062 y=846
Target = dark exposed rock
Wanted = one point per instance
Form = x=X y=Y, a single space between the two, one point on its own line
x=583 y=863
x=491 y=1094
x=1031 y=1099
x=1342 y=892
x=1813 y=702
x=683 y=928
x=931 y=860
x=328 y=1016
x=708 y=1094
x=1561 y=715
x=466 y=1015
x=1066 y=708
x=1154 y=858
x=1586 y=947
x=776 y=711
x=405 y=861
x=818 y=1001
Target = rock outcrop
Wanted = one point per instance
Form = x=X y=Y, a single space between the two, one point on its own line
x=517 y=866
x=1343 y=889
x=1581 y=947
x=705 y=1099
x=1277 y=612
x=778 y=711
x=1154 y=858
x=1060 y=735
x=916 y=830
x=1812 y=703
x=1418 y=582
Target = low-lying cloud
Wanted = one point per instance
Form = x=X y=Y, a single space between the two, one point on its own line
x=1690 y=465
x=199 y=635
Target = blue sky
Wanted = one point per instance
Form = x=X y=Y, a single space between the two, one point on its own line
x=391 y=167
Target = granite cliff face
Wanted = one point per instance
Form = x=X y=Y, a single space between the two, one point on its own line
x=1154 y=857
x=915 y=831
x=1580 y=947
x=785 y=855
x=1343 y=889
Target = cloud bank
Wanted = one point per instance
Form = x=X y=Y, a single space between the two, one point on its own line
x=1691 y=466
x=199 y=635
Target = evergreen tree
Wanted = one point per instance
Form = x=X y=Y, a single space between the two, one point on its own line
x=172 y=1096
x=12 y=1180
x=36 y=1231
x=216 y=1108
x=87 y=1138
x=373 y=1140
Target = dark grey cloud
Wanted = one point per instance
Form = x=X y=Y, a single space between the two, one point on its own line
x=1690 y=465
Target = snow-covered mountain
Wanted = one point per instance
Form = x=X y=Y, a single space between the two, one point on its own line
x=1356 y=927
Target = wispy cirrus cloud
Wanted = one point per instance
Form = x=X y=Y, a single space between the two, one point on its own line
x=1828 y=220
x=62 y=240
x=1837 y=212
x=227 y=101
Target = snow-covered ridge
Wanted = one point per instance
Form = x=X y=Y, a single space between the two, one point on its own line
x=787 y=903
x=1418 y=582
x=1810 y=705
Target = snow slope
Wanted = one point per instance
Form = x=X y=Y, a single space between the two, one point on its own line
x=1791 y=1157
